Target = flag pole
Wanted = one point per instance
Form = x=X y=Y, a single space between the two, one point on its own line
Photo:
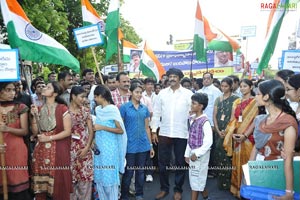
x=97 y=65
x=206 y=61
x=27 y=75
x=120 y=64
x=2 y=156
x=191 y=68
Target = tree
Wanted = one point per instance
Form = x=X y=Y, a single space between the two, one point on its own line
x=58 y=18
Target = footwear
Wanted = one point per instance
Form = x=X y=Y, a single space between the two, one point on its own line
x=206 y=198
x=149 y=178
x=177 y=196
x=131 y=191
x=161 y=195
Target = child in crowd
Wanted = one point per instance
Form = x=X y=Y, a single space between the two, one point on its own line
x=198 y=147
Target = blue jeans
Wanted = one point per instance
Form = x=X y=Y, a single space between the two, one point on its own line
x=165 y=147
x=135 y=163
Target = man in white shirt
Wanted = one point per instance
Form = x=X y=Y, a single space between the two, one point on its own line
x=212 y=92
x=172 y=106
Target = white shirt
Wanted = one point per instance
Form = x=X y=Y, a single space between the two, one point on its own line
x=213 y=93
x=173 y=107
x=237 y=92
x=207 y=142
x=147 y=102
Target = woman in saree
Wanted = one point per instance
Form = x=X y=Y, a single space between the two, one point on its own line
x=82 y=138
x=276 y=132
x=111 y=141
x=221 y=117
x=239 y=141
x=13 y=126
x=51 y=157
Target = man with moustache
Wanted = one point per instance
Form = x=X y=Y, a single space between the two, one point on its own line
x=121 y=95
x=172 y=107
x=65 y=80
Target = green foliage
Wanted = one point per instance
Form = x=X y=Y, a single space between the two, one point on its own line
x=48 y=16
x=269 y=73
x=58 y=18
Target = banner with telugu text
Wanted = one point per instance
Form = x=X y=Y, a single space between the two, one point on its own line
x=185 y=60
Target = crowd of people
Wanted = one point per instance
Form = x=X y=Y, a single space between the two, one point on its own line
x=75 y=138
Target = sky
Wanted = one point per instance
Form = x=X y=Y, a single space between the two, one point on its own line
x=155 y=20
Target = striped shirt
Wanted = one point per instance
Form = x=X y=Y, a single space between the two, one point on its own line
x=118 y=98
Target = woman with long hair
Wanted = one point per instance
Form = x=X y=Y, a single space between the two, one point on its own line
x=275 y=131
x=238 y=141
x=51 y=157
x=82 y=138
x=111 y=141
x=13 y=126
x=221 y=117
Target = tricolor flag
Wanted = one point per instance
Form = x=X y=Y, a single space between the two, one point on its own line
x=89 y=14
x=33 y=44
x=111 y=29
x=274 y=23
x=218 y=40
x=199 y=44
x=127 y=47
x=150 y=65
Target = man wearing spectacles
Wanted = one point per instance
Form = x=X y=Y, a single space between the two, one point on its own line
x=38 y=99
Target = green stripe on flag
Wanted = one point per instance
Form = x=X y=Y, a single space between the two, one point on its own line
x=270 y=47
x=199 y=48
x=41 y=53
x=219 y=46
x=111 y=31
x=146 y=71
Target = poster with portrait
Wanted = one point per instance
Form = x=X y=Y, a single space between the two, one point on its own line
x=223 y=59
x=135 y=57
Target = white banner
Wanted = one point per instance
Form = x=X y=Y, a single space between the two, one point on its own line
x=291 y=60
x=9 y=65
x=88 y=36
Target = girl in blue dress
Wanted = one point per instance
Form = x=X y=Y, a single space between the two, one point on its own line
x=111 y=141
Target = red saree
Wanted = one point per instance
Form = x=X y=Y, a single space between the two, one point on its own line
x=51 y=162
x=16 y=155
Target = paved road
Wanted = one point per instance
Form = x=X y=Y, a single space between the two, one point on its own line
x=151 y=190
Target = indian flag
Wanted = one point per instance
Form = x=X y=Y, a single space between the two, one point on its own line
x=111 y=29
x=127 y=47
x=218 y=40
x=33 y=44
x=199 y=43
x=274 y=23
x=90 y=15
x=150 y=65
